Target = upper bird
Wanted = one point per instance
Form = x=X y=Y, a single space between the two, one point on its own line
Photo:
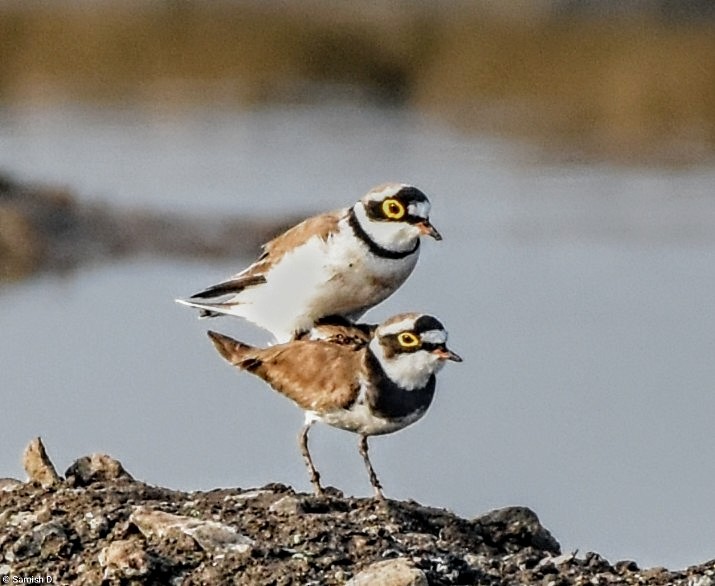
x=336 y=264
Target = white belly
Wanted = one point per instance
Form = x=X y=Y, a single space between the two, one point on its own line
x=337 y=277
x=359 y=419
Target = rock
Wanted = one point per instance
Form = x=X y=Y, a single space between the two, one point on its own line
x=125 y=558
x=96 y=468
x=597 y=562
x=102 y=529
x=44 y=541
x=210 y=535
x=92 y=525
x=549 y=565
x=625 y=566
x=397 y=572
x=516 y=528
x=287 y=505
x=652 y=574
x=702 y=581
x=9 y=484
x=38 y=466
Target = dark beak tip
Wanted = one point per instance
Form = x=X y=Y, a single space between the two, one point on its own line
x=429 y=230
x=433 y=231
x=455 y=357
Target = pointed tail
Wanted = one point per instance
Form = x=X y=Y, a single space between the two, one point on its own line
x=235 y=352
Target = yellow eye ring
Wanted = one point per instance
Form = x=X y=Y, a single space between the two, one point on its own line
x=393 y=209
x=408 y=340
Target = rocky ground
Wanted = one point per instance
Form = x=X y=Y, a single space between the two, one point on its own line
x=97 y=525
x=48 y=229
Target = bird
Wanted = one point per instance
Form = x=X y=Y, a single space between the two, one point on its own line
x=371 y=380
x=339 y=263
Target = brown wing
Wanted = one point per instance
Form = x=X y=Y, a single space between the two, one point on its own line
x=322 y=226
x=317 y=375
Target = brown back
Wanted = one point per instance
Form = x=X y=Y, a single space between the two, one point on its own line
x=317 y=375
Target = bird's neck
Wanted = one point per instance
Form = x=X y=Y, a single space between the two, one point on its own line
x=383 y=239
x=388 y=398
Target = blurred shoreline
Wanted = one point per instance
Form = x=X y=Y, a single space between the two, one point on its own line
x=48 y=229
x=631 y=82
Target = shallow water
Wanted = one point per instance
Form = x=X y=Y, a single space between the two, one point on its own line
x=580 y=296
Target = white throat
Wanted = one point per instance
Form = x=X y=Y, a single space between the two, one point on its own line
x=409 y=371
x=394 y=236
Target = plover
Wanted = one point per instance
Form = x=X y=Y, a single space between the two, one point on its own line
x=336 y=264
x=372 y=388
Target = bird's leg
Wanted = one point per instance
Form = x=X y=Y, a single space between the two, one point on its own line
x=371 y=472
x=314 y=475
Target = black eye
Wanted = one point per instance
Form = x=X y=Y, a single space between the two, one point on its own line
x=393 y=209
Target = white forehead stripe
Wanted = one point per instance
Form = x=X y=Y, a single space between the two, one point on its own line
x=434 y=337
x=386 y=191
x=404 y=325
x=420 y=209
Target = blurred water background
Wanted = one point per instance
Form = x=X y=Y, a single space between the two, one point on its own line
x=568 y=151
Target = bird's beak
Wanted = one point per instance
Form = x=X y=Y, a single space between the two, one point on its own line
x=446 y=354
x=428 y=229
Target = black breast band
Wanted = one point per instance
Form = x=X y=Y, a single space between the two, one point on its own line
x=374 y=247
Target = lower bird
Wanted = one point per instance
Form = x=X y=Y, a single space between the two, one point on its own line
x=370 y=380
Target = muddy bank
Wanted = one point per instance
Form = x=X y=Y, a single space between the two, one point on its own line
x=45 y=228
x=99 y=525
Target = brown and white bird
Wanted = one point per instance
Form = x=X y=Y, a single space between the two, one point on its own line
x=369 y=381
x=336 y=264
